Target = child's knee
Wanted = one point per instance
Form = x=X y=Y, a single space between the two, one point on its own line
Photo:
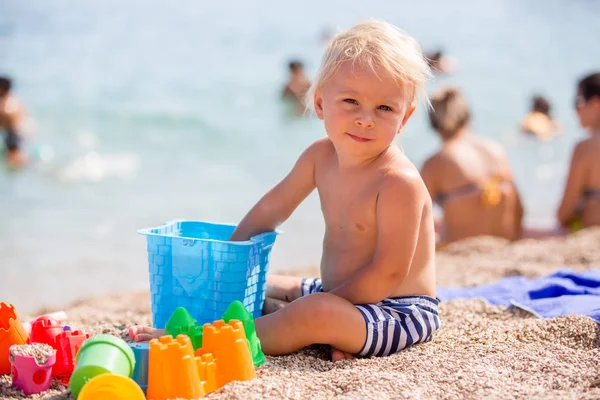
x=322 y=307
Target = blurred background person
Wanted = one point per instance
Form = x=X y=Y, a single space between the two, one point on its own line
x=441 y=63
x=469 y=177
x=580 y=205
x=539 y=121
x=297 y=86
x=11 y=117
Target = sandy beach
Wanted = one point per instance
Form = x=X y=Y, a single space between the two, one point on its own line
x=482 y=351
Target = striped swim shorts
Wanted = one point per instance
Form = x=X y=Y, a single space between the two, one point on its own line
x=394 y=323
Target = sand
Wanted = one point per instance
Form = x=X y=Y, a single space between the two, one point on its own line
x=482 y=351
x=40 y=351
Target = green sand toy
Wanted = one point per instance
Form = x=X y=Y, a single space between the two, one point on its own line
x=236 y=310
x=98 y=355
x=182 y=323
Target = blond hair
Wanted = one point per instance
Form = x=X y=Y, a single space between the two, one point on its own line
x=449 y=112
x=376 y=44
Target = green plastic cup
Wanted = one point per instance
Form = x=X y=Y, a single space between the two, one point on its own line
x=98 y=355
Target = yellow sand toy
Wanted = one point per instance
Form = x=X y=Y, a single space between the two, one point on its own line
x=111 y=386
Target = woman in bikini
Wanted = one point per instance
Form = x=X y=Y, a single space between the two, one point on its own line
x=580 y=206
x=469 y=177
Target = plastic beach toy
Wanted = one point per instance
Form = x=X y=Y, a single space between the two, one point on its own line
x=11 y=332
x=111 y=386
x=173 y=371
x=194 y=265
x=29 y=376
x=236 y=310
x=101 y=354
x=182 y=323
x=229 y=347
x=67 y=345
x=142 y=357
x=45 y=330
x=59 y=316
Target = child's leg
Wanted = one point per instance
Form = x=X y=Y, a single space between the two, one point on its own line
x=317 y=318
x=285 y=288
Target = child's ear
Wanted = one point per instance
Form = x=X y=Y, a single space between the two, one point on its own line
x=407 y=116
x=318 y=102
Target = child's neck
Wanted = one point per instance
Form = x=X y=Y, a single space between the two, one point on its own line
x=349 y=162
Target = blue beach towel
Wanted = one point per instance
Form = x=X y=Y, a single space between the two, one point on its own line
x=564 y=292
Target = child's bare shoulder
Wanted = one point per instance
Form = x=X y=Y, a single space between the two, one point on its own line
x=402 y=178
x=320 y=149
x=323 y=145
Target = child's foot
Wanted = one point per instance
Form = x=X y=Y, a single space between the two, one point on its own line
x=144 y=333
x=337 y=355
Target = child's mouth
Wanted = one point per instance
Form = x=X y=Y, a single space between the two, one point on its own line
x=358 y=138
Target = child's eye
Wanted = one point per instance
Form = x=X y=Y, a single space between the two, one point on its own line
x=350 y=101
x=385 y=108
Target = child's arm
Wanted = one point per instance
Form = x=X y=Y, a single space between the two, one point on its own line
x=574 y=188
x=399 y=211
x=278 y=204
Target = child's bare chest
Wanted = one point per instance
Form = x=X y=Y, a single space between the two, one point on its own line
x=348 y=205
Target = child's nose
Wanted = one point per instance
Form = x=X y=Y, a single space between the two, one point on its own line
x=365 y=120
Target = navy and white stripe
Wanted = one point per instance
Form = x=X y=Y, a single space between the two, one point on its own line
x=394 y=323
x=311 y=285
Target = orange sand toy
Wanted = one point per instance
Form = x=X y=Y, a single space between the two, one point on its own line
x=207 y=368
x=11 y=332
x=228 y=345
x=111 y=386
x=173 y=370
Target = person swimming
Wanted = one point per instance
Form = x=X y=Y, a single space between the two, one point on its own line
x=297 y=85
x=11 y=114
x=538 y=121
x=470 y=177
x=441 y=63
x=580 y=205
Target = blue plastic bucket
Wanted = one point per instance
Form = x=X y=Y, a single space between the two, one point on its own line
x=193 y=265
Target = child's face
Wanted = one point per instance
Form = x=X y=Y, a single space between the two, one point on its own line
x=362 y=111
